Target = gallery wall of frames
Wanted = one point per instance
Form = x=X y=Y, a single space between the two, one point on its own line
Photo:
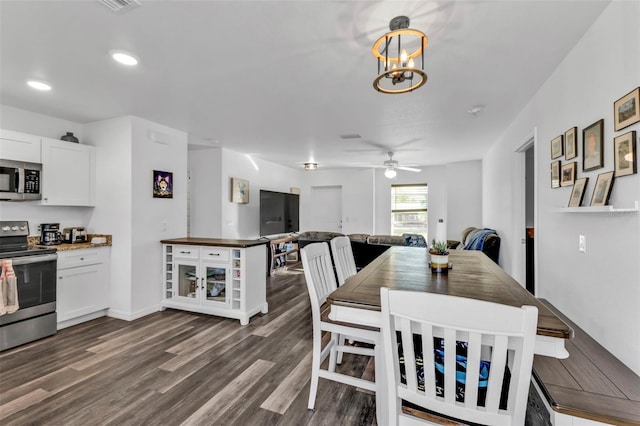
x=567 y=165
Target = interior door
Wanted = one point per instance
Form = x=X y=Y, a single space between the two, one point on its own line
x=326 y=208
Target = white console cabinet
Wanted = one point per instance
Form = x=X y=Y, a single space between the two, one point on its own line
x=83 y=285
x=217 y=277
x=68 y=173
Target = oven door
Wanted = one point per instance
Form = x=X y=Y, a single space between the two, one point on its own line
x=36 y=276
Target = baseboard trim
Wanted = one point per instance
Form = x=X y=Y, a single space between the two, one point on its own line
x=131 y=316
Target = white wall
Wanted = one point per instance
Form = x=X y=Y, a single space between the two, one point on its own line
x=41 y=125
x=357 y=198
x=205 y=172
x=154 y=219
x=113 y=211
x=464 y=197
x=243 y=220
x=599 y=289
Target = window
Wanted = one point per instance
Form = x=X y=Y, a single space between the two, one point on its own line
x=409 y=209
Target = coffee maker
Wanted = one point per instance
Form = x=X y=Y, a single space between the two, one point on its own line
x=50 y=234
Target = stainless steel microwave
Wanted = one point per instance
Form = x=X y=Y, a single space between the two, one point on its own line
x=20 y=180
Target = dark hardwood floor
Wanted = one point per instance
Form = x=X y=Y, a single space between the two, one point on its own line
x=174 y=367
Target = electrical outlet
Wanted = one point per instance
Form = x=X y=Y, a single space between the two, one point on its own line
x=582 y=244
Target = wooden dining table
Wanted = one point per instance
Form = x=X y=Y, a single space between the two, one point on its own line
x=472 y=275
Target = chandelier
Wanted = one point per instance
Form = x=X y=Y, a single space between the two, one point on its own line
x=397 y=52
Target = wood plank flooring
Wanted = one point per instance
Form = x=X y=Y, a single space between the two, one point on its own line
x=180 y=368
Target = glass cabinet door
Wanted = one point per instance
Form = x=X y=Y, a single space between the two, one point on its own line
x=216 y=287
x=187 y=280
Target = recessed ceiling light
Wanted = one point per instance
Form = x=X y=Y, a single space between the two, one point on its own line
x=476 y=110
x=39 y=85
x=124 y=57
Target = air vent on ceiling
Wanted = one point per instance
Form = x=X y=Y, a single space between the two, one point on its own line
x=120 y=6
x=351 y=136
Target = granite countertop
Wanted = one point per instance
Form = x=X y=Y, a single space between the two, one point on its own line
x=218 y=242
x=34 y=241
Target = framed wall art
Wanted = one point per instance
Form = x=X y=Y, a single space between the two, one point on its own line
x=577 y=194
x=626 y=110
x=571 y=143
x=556 y=148
x=162 y=184
x=602 y=189
x=593 y=146
x=555 y=174
x=239 y=191
x=568 y=174
x=624 y=154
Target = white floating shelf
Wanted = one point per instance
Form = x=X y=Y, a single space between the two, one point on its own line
x=599 y=209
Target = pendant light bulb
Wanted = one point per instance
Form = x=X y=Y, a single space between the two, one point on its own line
x=411 y=64
x=403 y=56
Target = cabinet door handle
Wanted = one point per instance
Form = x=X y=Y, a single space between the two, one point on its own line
x=82 y=258
x=185 y=252
x=214 y=254
x=60 y=277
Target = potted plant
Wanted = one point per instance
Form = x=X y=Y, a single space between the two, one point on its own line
x=439 y=256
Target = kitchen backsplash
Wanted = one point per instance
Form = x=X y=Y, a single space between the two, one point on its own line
x=37 y=214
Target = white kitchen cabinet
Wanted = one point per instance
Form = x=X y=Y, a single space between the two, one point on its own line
x=82 y=285
x=227 y=281
x=19 y=146
x=68 y=173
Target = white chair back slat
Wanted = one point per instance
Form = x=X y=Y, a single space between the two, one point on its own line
x=343 y=258
x=316 y=263
x=428 y=360
x=409 y=355
x=493 y=333
x=449 y=365
x=496 y=374
x=474 y=348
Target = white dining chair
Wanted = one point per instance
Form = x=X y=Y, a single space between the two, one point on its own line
x=343 y=258
x=321 y=281
x=433 y=330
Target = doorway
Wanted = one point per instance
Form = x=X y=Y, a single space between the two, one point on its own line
x=326 y=208
x=529 y=178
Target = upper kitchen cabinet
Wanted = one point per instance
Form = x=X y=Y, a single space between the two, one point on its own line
x=19 y=146
x=68 y=173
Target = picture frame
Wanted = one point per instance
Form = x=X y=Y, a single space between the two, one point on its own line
x=568 y=174
x=239 y=191
x=624 y=154
x=626 y=110
x=571 y=143
x=162 y=184
x=557 y=148
x=602 y=189
x=555 y=174
x=593 y=146
x=577 y=193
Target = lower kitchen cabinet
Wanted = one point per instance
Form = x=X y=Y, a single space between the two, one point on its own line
x=223 y=281
x=82 y=285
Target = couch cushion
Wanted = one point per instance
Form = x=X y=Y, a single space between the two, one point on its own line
x=386 y=240
x=360 y=238
x=414 y=240
x=319 y=235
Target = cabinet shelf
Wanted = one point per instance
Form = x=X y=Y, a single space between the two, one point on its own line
x=600 y=209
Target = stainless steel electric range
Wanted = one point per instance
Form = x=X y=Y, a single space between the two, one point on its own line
x=35 y=269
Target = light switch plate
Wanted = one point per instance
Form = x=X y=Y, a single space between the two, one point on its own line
x=582 y=244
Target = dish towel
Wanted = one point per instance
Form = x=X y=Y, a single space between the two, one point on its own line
x=8 y=289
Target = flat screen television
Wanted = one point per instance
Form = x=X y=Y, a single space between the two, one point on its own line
x=279 y=212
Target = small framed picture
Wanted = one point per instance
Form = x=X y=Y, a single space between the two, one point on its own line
x=593 y=146
x=602 y=189
x=239 y=191
x=555 y=174
x=577 y=194
x=571 y=143
x=624 y=154
x=626 y=110
x=556 y=148
x=162 y=184
x=568 y=175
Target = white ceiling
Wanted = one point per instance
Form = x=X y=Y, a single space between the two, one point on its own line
x=283 y=79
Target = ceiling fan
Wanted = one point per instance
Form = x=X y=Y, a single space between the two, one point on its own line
x=392 y=165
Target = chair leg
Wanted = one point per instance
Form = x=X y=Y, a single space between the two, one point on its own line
x=333 y=353
x=341 y=340
x=315 y=367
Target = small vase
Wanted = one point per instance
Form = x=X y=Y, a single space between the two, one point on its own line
x=440 y=263
x=69 y=138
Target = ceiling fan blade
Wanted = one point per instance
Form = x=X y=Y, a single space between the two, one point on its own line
x=408 y=169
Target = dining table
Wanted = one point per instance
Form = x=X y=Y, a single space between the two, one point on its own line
x=471 y=274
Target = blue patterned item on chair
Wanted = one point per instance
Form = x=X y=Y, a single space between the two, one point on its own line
x=414 y=240
x=478 y=238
